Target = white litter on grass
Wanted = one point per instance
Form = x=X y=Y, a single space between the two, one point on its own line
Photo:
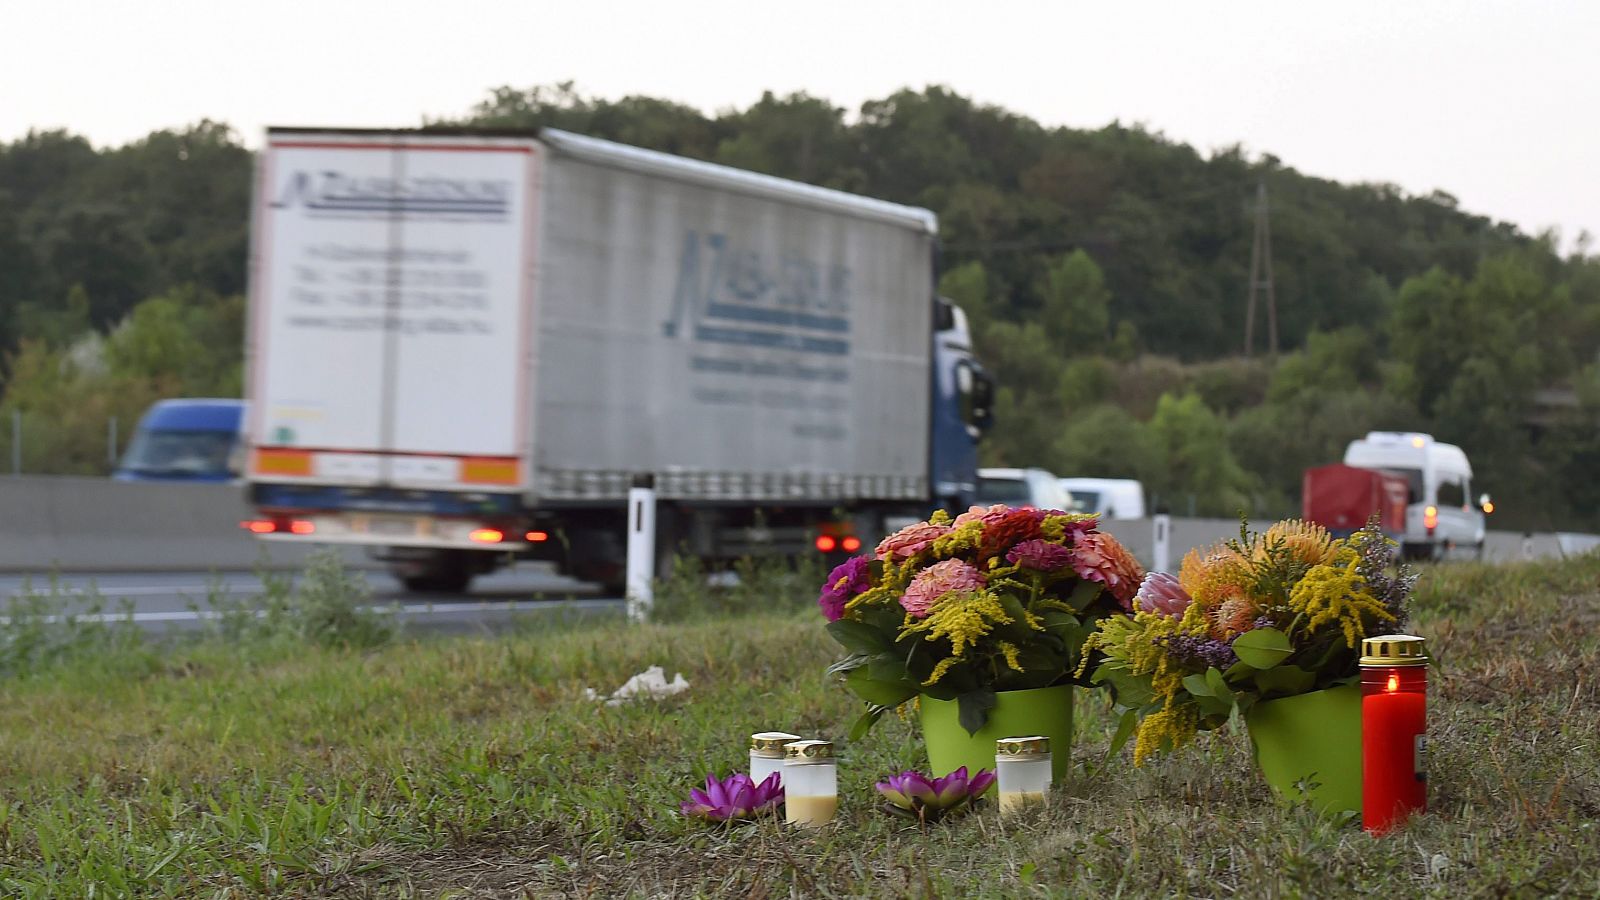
x=651 y=684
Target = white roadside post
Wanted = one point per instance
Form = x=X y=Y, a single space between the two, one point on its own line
x=1163 y=550
x=641 y=548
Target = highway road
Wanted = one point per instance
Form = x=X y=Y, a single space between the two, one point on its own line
x=180 y=601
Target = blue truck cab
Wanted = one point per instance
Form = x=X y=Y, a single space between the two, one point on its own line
x=194 y=440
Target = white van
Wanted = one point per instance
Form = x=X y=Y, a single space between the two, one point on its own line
x=1440 y=512
x=1110 y=498
x=1021 y=487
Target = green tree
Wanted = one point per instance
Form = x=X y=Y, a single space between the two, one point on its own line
x=1198 y=461
x=1077 y=306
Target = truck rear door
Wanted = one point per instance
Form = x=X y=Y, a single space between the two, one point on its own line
x=390 y=291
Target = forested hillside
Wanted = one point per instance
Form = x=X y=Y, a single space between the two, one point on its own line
x=1105 y=271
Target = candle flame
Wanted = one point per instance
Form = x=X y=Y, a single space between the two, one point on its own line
x=1394 y=681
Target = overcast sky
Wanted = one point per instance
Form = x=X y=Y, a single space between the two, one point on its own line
x=1494 y=102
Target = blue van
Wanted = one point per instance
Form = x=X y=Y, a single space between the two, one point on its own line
x=185 y=440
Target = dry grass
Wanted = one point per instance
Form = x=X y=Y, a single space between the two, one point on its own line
x=476 y=768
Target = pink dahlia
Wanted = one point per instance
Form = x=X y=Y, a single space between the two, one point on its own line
x=910 y=540
x=847 y=579
x=1041 y=556
x=978 y=512
x=1100 y=557
x=935 y=581
x=1161 y=593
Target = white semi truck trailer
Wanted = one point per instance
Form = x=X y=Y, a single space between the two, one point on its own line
x=464 y=348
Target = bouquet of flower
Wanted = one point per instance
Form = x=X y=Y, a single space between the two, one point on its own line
x=1265 y=616
x=997 y=599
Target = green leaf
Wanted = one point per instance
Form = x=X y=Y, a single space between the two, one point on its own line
x=883 y=693
x=974 y=709
x=1262 y=648
x=1219 y=686
x=1129 y=691
x=1197 y=685
x=858 y=636
x=1285 y=680
x=1125 y=729
x=1214 y=706
x=864 y=724
x=849 y=663
x=1084 y=594
x=888 y=667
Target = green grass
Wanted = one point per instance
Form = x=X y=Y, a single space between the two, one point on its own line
x=249 y=766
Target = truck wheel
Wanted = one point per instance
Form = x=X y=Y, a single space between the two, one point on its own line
x=438 y=583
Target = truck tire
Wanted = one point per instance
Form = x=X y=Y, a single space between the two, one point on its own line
x=455 y=582
x=448 y=573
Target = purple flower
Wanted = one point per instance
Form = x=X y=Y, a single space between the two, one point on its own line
x=916 y=796
x=736 y=797
x=1039 y=555
x=1206 y=651
x=849 y=578
x=1161 y=593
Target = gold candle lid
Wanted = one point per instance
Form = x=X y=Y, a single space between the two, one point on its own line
x=808 y=751
x=1033 y=745
x=771 y=742
x=1394 y=650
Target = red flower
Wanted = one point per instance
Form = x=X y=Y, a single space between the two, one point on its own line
x=1002 y=530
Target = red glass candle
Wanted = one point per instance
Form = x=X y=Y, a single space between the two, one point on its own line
x=1394 y=726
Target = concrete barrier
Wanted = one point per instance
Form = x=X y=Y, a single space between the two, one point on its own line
x=95 y=524
x=98 y=525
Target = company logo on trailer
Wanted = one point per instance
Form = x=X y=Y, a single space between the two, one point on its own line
x=332 y=191
x=735 y=295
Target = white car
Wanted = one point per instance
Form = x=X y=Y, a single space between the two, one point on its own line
x=1111 y=498
x=1021 y=487
x=1440 y=512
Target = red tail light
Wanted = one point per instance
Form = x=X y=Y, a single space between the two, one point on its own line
x=538 y=537
x=487 y=535
x=259 y=526
x=850 y=544
x=826 y=543
x=302 y=526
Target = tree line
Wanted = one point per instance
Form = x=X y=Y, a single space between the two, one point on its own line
x=1104 y=270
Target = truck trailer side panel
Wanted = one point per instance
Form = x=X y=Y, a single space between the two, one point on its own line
x=734 y=345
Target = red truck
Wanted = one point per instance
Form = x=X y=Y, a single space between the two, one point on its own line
x=1343 y=498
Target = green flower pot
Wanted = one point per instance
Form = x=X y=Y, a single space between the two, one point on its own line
x=1313 y=741
x=1046 y=711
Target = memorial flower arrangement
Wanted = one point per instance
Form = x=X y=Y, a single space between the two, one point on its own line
x=996 y=599
x=1268 y=615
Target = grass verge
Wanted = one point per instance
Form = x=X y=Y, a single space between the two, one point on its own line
x=477 y=767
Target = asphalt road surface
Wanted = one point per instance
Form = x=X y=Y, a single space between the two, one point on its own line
x=176 y=601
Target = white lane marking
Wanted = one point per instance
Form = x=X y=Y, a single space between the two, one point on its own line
x=133 y=591
x=409 y=609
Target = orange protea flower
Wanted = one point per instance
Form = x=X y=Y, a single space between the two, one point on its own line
x=1100 y=557
x=1307 y=542
x=1235 y=616
x=1214 y=576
